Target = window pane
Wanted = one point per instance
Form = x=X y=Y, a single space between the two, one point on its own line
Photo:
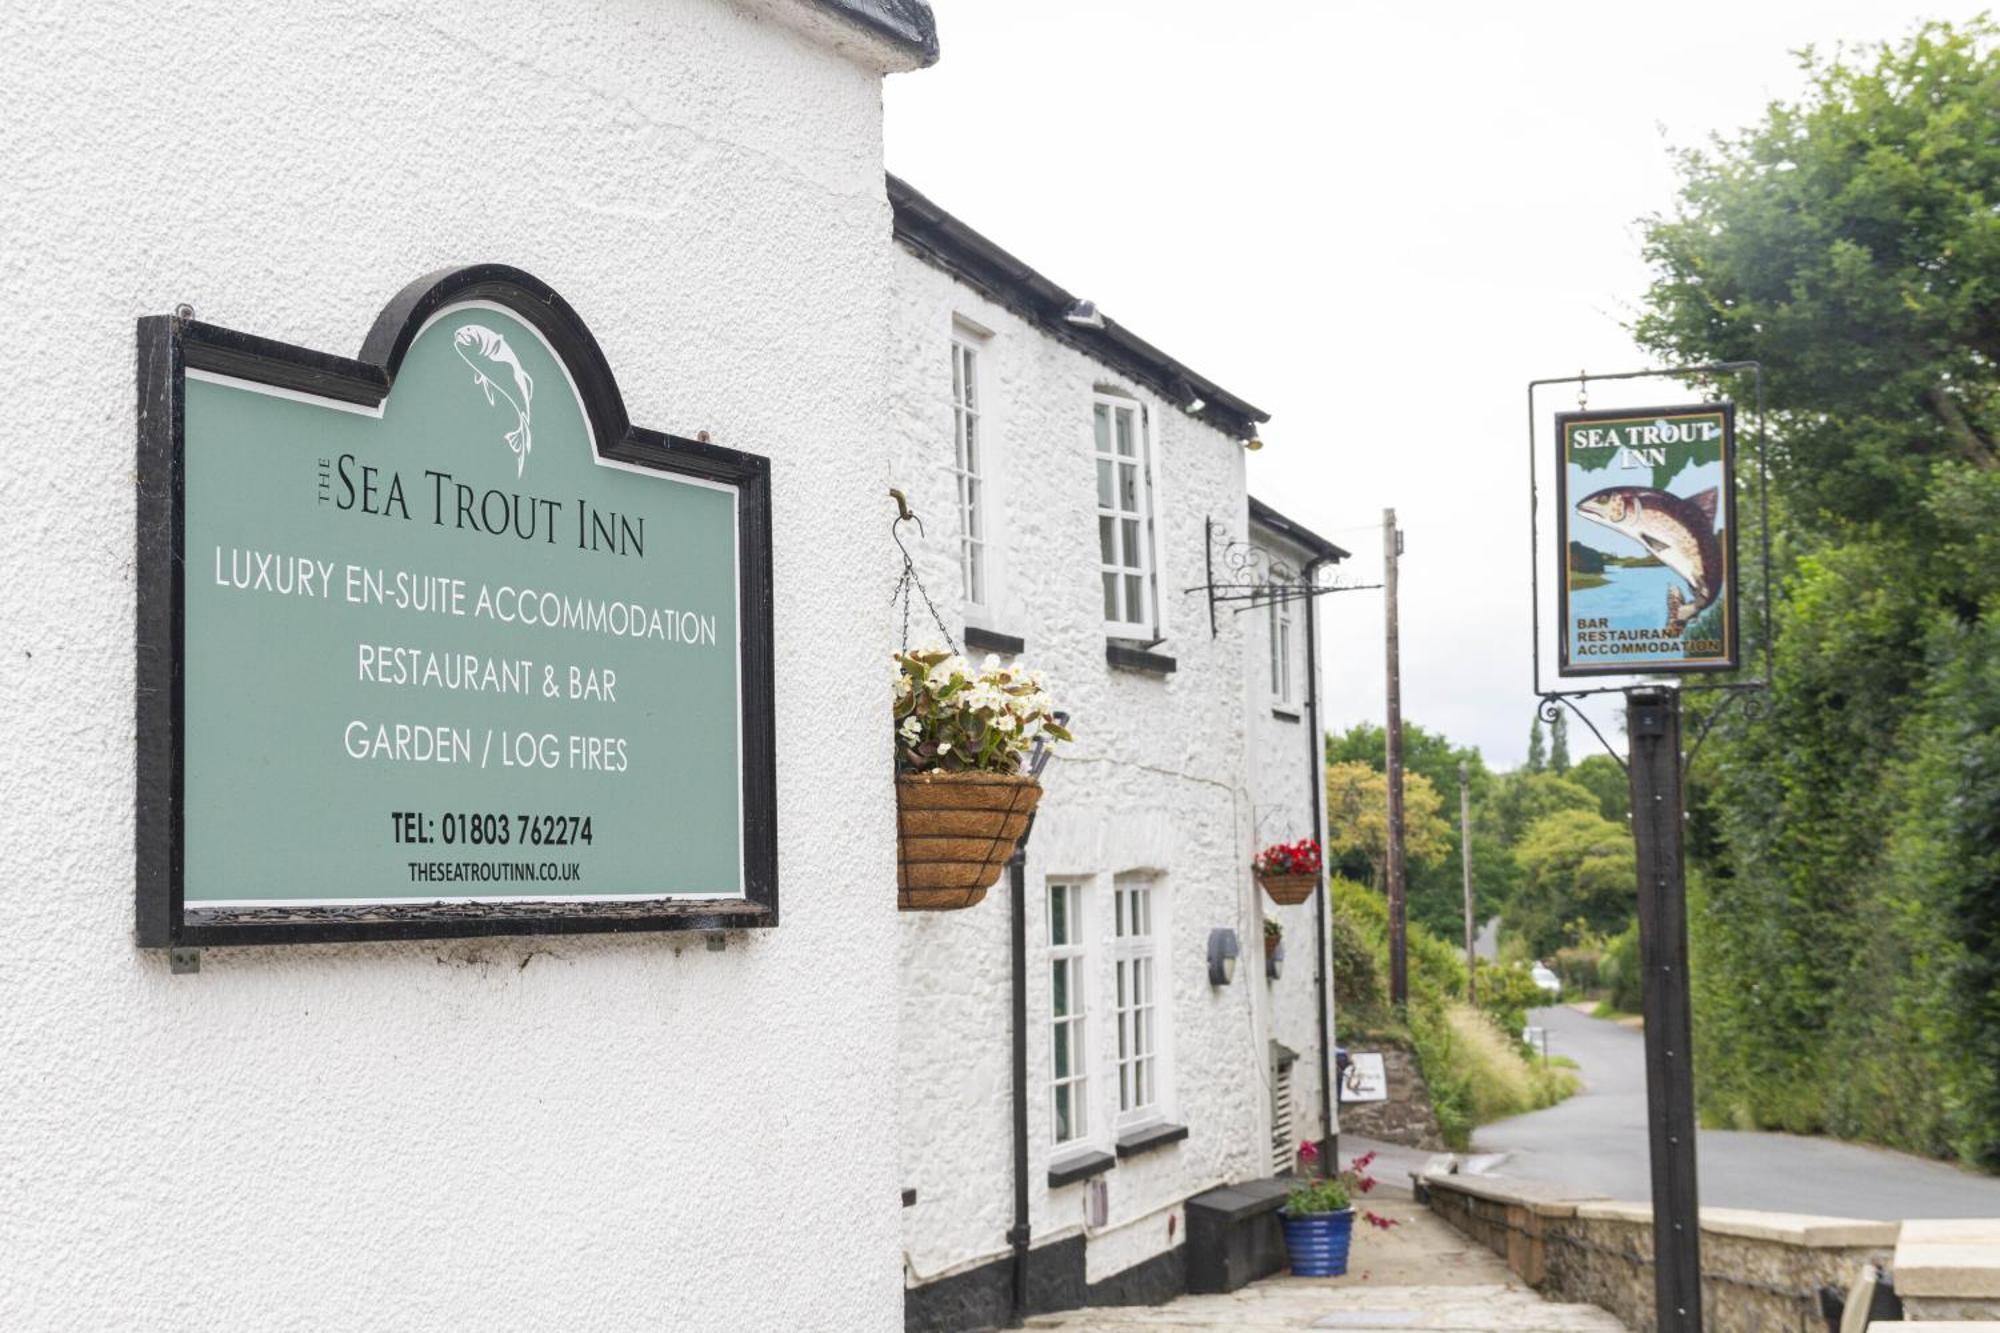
x=971 y=377
x=1121 y=896
x=1058 y=914
x=1104 y=498
x=1064 y=1131
x=1107 y=540
x=1130 y=528
x=971 y=463
x=1111 y=597
x=957 y=375
x=972 y=508
x=1101 y=423
x=1062 y=1051
x=1128 y=488
x=1124 y=1088
x=975 y=574
x=1125 y=431
x=1122 y=1002
x=1135 y=599
x=1060 y=974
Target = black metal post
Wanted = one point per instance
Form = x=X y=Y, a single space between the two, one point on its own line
x=1653 y=726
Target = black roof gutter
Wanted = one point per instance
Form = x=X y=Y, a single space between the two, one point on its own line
x=941 y=239
x=908 y=24
x=1264 y=516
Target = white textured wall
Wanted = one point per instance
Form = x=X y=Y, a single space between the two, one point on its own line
x=1284 y=764
x=551 y=1133
x=1156 y=779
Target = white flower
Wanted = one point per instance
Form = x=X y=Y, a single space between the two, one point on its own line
x=944 y=747
x=1004 y=722
x=911 y=728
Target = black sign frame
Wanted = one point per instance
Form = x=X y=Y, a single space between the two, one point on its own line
x=1732 y=658
x=170 y=345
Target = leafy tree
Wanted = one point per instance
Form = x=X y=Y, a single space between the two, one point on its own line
x=1602 y=776
x=1850 y=243
x=1357 y=818
x=1575 y=865
x=1434 y=889
x=1846 y=884
x=1559 y=744
x=1538 y=754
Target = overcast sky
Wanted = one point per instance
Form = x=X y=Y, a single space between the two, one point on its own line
x=1376 y=222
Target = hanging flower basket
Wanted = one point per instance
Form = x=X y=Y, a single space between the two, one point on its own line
x=962 y=801
x=957 y=832
x=1288 y=871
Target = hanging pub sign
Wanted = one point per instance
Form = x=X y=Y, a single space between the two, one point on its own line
x=435 y=642
x=1645 y=537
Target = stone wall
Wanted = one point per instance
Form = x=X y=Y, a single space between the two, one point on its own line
x=1761 y=1272
x=1406 y=1118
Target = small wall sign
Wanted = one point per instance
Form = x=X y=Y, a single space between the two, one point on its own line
x=1645 y=540
x=1365 y=1080
x=435 y=642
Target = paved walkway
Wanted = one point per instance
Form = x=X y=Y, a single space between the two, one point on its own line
x=1421 y=1275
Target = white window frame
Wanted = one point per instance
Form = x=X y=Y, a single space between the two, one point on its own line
x=1138 y=1010
x=972 y=467
x=1119 y=529
x=1069 y=1033
x=1283 y=693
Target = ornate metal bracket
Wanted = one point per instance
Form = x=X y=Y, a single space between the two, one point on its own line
x=1245 y=576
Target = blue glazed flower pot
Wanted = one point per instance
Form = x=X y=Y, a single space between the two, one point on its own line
x=1317 y=1242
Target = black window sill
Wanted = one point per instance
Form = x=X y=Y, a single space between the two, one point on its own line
x=1126 y=656
x=1285 y=714
x=992 y=641
x=1070 y=1170
x=1150 y=1138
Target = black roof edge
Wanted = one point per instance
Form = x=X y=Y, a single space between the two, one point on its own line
x=942 y=239
x=1264 y=516
x=907 y=23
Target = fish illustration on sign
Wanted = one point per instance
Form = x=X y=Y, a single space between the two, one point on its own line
x=496 y=359
x=1677 y=531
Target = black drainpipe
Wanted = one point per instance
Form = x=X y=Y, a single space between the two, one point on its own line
x=1329 y=1138
x=1017 y=890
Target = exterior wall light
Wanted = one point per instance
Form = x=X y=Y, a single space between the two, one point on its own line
x=1191 y=401
x=1084 y=314
x=1274 y=961
x=1222 y=951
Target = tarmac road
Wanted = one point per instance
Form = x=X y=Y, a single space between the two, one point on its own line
x=1597 y=1141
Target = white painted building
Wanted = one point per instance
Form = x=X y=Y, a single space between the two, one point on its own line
x=517 y=1133
x=1080 y=489
x=643 y=1130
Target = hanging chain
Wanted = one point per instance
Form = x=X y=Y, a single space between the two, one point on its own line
x=1582 y=390
x=908 y=579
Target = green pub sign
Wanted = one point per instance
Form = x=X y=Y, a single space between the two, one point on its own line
x=435 y=642
x=1645 y=540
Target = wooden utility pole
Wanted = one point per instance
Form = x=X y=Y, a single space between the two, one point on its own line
x=1399 y=963
x=1653 y=723
x=1465 y=862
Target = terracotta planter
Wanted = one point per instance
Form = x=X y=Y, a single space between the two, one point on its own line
x=1289 y=890
x=956 y=832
